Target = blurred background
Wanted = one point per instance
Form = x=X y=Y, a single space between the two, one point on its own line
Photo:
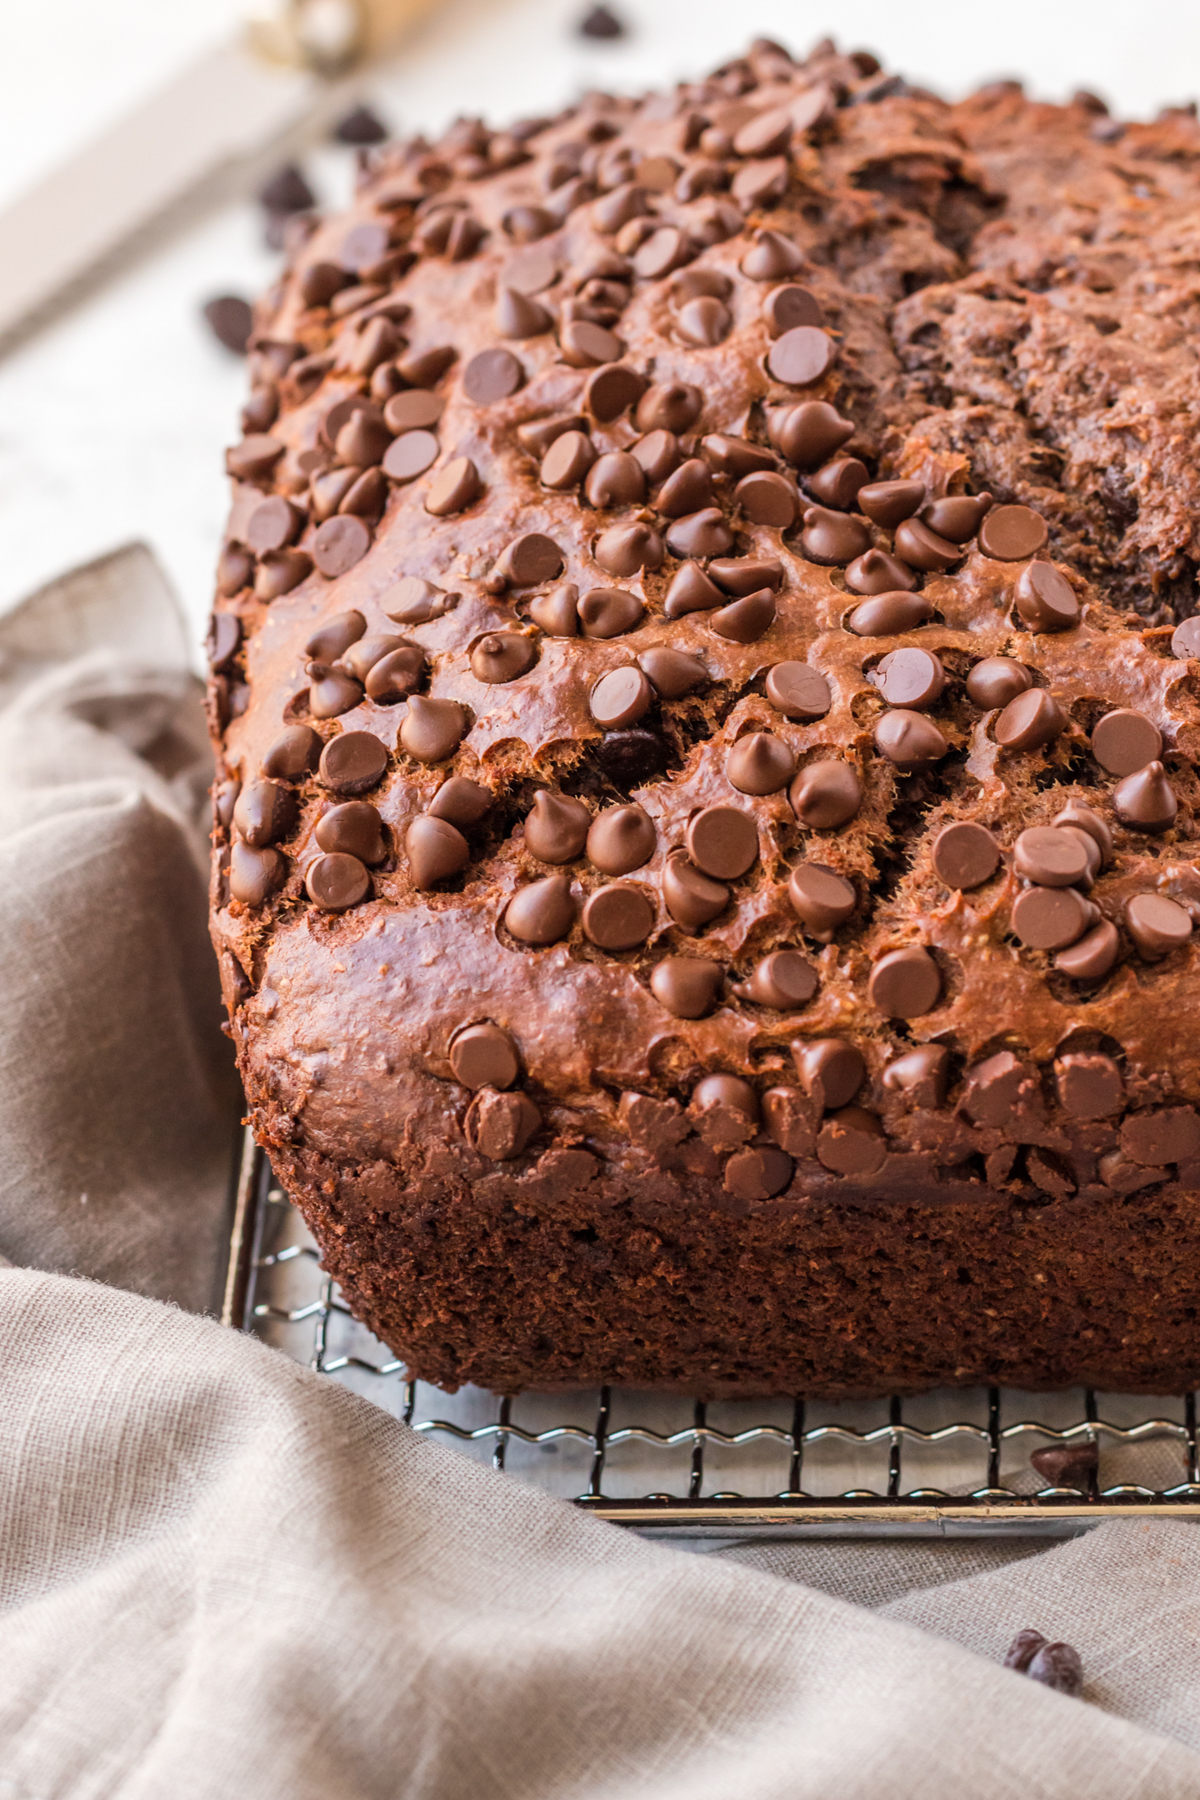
x=113 y=417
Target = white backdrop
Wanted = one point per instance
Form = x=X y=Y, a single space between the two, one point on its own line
x=112 y=422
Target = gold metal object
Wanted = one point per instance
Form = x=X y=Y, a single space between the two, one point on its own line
x=330 y=37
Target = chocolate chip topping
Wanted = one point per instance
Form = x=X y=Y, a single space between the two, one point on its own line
x=1146 y=800
x=687 y=490
x=910 y=741
x=541 y=913
x=922 y=549
x=1010 y=533
x=887 y=615
x=745 y=621
x=414 y=601
x=995 y=680
x=624 y=549
x=913 y=678
x=491 y=376
x=484 y=1056
x=837 y=483
x=802 y=356
x=1045 y=598
x=609 y=612
x=888 y=503
x=1050 y=918
x=921 y=1075
x=851 y=1142
x=293 y=754
x=790 y=306
x=1031 y=721
x=1090 y=821
x=722 y=841
x=672 y=673
x=254 y=875
x=957 y=517
x=352 y=763
x=353 y=829
x=1156 y=924
x=905 y=983
x=691 y=591
x=338 y=544
x=831 y=1071
x=556 y=827
x=826 y=794
x=691 y=898
x=453 y=488
x=1093 y=955
x=461 y=800
x=621 y=697
x=337 y=882
x=279 y=571
x=519 y=316
x=567 y=461
x=621 y=840
x=432 y=729
x=687 y=986
x=611 y=390
x=435 y=850
x=618 y=917
x=1125 y=741
x=670 y=406
x=822 y=899
x=499 y=1126
x=557 y=613
x=760 y=764
x=798 y=691
x=615 y=479
x=502 y=656
x=771 y=257
x=832 y=537
x=1185 y=639
x=965 y=855
x=784 y=980
x=410 y=455
x=1050 y=857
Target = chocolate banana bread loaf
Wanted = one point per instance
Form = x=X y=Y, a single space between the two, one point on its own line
x=705 y=692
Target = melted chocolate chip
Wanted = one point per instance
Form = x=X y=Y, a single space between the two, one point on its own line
x=798 y=691
x=1045 y=599
x=1050 y=857
x=254 y=875
x=673 y=673
x=1089 y=1086
x=499 y=1126
x=1124 y=742
x=822 y=899
x=1010 y=533
x=432 y=729
x=1156 y=925
x=687 y=986
x=453 y=488
x=691 y=898
x=436 y=850
x=235 y=570
x=502 y=656
x=921 y=1075
x=889 y=503
x=609 y=612
x=851 y=1142
x=624 y=549
x=353 y=829
x=1146 y=801
x=337 y=882
x=760 y=764
x=484 y=1056
x=587 y=346
x=905 y=983
x=293 y=755
x=913 y=678
x=1092 y=957
x=887 y=615
x=744 y=575
x=1051 y=918
x=1031 y=721
x=264 y=812
x=353 y=762
x=414 y=602
x=965 y=855
x=223 y=640
x=826 y=794
x=543 y=912
x=621 y=840
x=996 y=680
x=632 y=757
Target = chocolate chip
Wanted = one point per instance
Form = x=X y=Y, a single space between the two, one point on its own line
x=921 y=1075
x=910 y=741
x=889 y=503
x=669 y=406
x=340 y=543
x=830 y=1070
x=484 y=1056
x=556 y=827
x=673 y=673
x=567 y=461
x=1091 y=851
x=690 y=897
x=784 y=980
x=1022 y=1650
x=722 y=841
x=1031 y=721
x=1058 y=1666
x=287 y=192
x=999 y=1090
x=340 y=414
x=414 y=410
x=760 y=764
x=432 y=729
x=832 y=537
x=887 y=615
x=453 y=488
x=768 y=499
x=687 y=986
x=965 y=855
x=851 y=1142
x=956 y=516
x=231 y=320
x=366 y=497
x=223 y=640
x=279 y=571
x=1158 y=1138
x=630 y=758
x=758 y=1173
x=688 y=490
x=735 y=456
x=923 y=549
x=875 y=572
x=1045 y=599
x=353 y=762
x=758 y=183
x=691 y=591
x=609 y=612
x=808 y=433
x=1046 y=918
x=624 y=549
x=585 y=345
x=395 y=675
x=414 y=601
x=525 y=225
x=254 y=875
x=826 y=794
x=802 y=356
x=905 y=983
x=557 y=613
x=425 y=368
x=797 y=691
x=360 y=126
x=693 y=284
x=531 y=271
x=615 y=479
x=529 y=560
x=1156 y=925
x=491 y=376
x=461 y=801
x=658 y=453
x=502 y=656
x=665 y=249
x=629 y=200
x=331 y=693
x=264 y=812
x=360 y=656
x=1124 y=742
x=1091 y=958
x=363 y=439
x=410 y=455
x=727 y=1093
x=611 y=390
x=621 y=840
x=234 y=571
x=1063 y=1465
x=353 y=829
x=293 y=755
x=996 y=680
x=1009 y=533
x=704 y=322
x=746 y=620
x=837 y=483
x=913 y=678
x=744 y=575
x=621 y=697
x=1050 y=857
x=335 y=637
x=787 y=308
x=254 y=458
x=364 y=245
x=1089 y=1086
x=337 y=882
x=822 y=899
x=1185 y=639
x=435 y=849
x=543 y=912
x=771 y=257
x=1090 y=821
x=702 y=533
x=600 y=22
x=618 y=917
x=499 y=1126
x=1146 y=801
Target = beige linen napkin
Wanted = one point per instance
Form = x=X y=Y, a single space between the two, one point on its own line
x=222 y=1574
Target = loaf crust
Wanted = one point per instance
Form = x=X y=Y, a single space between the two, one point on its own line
x=1001 y=302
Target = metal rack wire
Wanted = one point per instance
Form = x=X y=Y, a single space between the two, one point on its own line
x=900 y=1467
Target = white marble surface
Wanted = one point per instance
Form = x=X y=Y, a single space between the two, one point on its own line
x=112 y=422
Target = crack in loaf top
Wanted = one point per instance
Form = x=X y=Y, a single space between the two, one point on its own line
x=702 y=603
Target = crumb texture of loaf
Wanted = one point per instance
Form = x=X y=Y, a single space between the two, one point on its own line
x=704 y=679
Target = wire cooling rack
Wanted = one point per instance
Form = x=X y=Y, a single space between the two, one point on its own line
x=954 y=1462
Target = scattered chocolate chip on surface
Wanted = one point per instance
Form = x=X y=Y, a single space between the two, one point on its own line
x=231 y=321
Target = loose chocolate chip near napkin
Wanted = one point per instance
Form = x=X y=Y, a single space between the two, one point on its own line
x=221 y=1574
